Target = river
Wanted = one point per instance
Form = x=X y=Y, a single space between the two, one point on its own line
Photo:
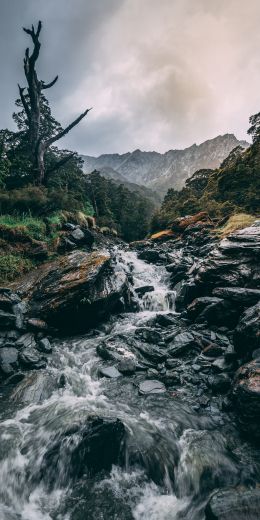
x=184 y=454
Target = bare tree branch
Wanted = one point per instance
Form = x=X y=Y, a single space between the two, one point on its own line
x=67 y=129
x=49 y=85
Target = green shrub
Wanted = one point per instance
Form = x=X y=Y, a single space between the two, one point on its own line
x=12 y=266
x=35 y=227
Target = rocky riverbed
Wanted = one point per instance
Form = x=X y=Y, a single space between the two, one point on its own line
x=131 y=382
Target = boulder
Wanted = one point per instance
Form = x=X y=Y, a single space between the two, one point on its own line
x=238 y=295
x=247 y=332
x=30 y=360
x=234 y=504
x=246 y=395
x=86 y=449
x=151 y=255
x=199 y=304
x=77 y=290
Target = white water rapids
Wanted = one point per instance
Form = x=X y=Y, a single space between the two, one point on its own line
x=159 y=425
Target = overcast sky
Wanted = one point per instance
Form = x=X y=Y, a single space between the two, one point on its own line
x=159 y=74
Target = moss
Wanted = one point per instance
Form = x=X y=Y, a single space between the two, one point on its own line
x=12 y=266
x=234 y=223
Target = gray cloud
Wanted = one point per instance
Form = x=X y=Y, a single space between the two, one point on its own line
x=159 y=75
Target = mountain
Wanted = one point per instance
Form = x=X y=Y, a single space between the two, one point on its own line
x=162 y=171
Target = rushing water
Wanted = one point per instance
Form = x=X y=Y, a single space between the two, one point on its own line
x=176 y=443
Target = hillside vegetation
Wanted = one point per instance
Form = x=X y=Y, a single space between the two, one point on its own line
x=231 y=189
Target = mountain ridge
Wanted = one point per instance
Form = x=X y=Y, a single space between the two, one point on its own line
x=161 y=171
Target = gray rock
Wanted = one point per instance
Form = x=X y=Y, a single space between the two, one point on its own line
x=77 y=235
x=44 y=346
x=26 y=341
x=127 y=366
x=110 y=372
x=149 y=334
x=30 y=359
x=151 y=386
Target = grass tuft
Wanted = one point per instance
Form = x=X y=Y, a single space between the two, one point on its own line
x=234 y=223
x=12 y=265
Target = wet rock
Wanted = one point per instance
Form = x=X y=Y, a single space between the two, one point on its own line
x=7 y=300
x=182 y=343
x=150 y=387
x=213 y=351
x=110 y=372
x=34 y=388
x=170 y=378
x=26 y=341
x=186 y=293
x=247 y=335
x=30 y=359
x=144 y=289
x=148 y=334
x=44 y=346
x=36 y=325
x=238 y=295
x=62 y=381
x=234 y=504
x=14 y=379
x=77 y=290
x=220 y=383
x=199 y=304
x=151 y=352
x=150 y=255
x=222 y=365
x=127 y=366
x=7 y=320
x=246 y=395
x=84 y=450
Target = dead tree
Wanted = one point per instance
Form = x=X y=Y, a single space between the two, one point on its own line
x=39 y=145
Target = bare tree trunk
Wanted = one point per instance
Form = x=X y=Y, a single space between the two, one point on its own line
x=38 y=145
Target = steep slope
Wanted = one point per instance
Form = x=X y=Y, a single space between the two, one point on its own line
x=162 y=171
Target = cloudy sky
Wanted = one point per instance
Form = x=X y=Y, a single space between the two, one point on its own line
x=159 y=74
